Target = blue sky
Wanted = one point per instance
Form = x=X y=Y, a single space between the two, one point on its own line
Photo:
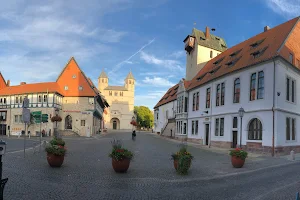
x=37 y=38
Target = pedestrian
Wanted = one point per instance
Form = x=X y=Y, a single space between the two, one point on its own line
x=133 y=135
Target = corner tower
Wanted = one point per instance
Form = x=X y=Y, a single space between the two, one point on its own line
x=201 y=47
x=102 y=81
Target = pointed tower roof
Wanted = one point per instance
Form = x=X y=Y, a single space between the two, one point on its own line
x=130 y=76
x=103 y=74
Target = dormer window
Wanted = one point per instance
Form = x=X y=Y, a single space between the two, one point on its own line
x=235 y=53
x=258 y=53
x=231 y=63
x=66 y=87
x=217 y=38
x=80 y=88
x=218 y=61
x=215 y=70
x=224 y=46
x=201 y=77
x=257 y=43
x=201 y=38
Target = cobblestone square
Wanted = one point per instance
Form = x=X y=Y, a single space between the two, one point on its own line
x=87 y=172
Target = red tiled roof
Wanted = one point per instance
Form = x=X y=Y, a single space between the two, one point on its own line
x=2 y=81
x=31 y=88
x=269 y=42
x=169 y=96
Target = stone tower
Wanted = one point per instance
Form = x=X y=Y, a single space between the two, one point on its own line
x=102 y=81
x=129 y=82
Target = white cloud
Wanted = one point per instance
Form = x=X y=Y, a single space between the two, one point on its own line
x=287 y=8
x=149 y=99
x=38 y=37
x=169 y=64
x=158 y=82
x=178 y=54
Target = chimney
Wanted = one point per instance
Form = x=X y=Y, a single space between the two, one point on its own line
x=207 y=35
x=22 y=83
x=266 y=28
x=8 y=83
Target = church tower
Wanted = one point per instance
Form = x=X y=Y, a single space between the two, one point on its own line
x=129 y=82
x=102 y=81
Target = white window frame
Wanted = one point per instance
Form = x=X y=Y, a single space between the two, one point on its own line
x=290 y=87
x=220 y=99
x=291 y=127
x=218 y=134
x=256 y=85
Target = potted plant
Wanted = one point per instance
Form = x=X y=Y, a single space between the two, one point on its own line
x=56 y=151
x=238 y=157
x=182 y=160
x=121 y=157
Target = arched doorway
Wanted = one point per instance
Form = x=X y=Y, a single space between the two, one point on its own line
x=115 y=123
x=68 y=122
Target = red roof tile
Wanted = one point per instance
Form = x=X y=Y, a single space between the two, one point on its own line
x=2 y=82
x=269 y=42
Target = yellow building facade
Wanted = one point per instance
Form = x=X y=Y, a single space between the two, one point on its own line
x=120 y=100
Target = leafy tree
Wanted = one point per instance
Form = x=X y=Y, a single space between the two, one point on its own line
x=144 y=115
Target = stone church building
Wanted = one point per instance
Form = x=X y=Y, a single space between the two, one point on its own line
x=121 y=101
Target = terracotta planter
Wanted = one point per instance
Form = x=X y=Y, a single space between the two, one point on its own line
x=54 y=160
x=237 y=162
x=121 y=166
x=176 y=164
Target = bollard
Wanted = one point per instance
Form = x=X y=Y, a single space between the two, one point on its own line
x=292 y=155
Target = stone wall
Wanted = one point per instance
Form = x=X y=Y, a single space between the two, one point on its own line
x=221 y=144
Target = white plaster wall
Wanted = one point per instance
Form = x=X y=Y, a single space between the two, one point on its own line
x=162 y=119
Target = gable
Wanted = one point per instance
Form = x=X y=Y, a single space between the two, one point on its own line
x=2 y=82
x=73 y=82
x=181 y=87
x=292 y=46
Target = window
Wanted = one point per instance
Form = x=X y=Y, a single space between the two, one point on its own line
x=157 y=116
x=196 y=127
x=290 y=128
x=181 y=104
x=291 y=58
x=290 y=89
x=4 y=100
x=194 y=99
x=102 y=80
x=236 y=89
x=219 y=127
x=193 y=127
x=17 y=100
x=121 y=93
x=110 y=93
x=45 y=98
x=235 y=122
x=185 y=104
x=184 y=128
x=74 y=76
x=207 y=98
x=261 y=85
x=129 y=81
x=218 y=95
x=211 y=54
x=116 y=93
x=222 y=94
x=3 y=116
x=66 y=87
x=21 y=100
x=16 y=118
x=80 y=88
x=1 y=100
x=82 y=122
x=197 y=101
x=252 y=87
x=40 y=98
x=255 y=130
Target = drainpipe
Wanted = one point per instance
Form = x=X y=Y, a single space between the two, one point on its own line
x=211 y=102
x=273 y=111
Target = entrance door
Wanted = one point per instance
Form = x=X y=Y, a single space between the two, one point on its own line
x=206 y=134
x=114 y=124
x=68 y=122
x=234 y=139
x=2 y=129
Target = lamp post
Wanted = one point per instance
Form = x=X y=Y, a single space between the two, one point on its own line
x=56 y=114
x=3 y=181
x=241 y=114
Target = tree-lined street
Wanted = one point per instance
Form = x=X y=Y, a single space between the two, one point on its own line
x=87 y=173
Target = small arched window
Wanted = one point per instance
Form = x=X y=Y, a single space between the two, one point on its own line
x=236 y=89
x=211 y=54
x=129 y=81
x=102 y=80
x=255 y=130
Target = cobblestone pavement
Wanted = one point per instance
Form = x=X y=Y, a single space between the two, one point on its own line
x=87 y=174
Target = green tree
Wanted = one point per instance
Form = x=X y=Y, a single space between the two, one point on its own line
x=144 y=115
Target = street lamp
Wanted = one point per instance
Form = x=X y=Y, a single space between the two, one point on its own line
x=56 y=114
x=241 y=114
